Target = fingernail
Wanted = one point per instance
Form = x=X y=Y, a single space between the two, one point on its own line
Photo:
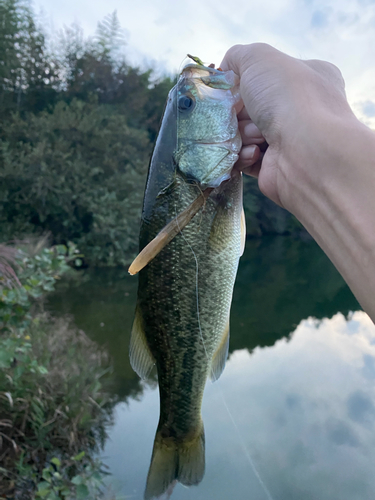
x=251 y=152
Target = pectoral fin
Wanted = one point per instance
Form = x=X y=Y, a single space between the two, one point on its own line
x=141 y=358
x=220 y=356
x=243 y=232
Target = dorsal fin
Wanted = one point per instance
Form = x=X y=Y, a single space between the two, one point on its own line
x=221 y=355
x=141 y=358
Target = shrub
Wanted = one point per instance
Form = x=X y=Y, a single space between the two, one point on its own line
x=77 y=173
x=54 y=408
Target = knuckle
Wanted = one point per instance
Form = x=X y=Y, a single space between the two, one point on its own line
x=328 y=70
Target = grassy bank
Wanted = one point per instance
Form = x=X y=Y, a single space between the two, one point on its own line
x=54 y=408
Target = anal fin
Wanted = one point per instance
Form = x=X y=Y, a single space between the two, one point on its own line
x=220 y=356
x=141 y=358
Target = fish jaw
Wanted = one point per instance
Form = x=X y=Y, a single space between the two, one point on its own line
x=208 y=140
x=208 y=164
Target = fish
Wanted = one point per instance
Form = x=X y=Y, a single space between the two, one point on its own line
x=181 y=322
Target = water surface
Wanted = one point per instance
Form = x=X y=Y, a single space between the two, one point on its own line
x=295 y=407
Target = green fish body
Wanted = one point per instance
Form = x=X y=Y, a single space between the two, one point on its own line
x=182 y=316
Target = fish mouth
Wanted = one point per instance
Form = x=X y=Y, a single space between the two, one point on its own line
x=215 y=161
x=233 y=145
x=202 y=68
x=227 y=78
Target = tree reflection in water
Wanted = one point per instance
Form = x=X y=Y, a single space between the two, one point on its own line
x=300 y=390
x=280 y=282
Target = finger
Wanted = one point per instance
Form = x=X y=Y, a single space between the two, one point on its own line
x=230 y=60
x=247 y=157
x=250 y=133
x=253 y=170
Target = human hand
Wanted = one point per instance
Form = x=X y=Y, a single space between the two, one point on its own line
x=319 y=163
x=286 y=104
x=253 y=145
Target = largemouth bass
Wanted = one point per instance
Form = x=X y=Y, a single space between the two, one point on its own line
x=182 y=315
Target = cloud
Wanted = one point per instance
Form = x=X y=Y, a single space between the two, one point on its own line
x=301 y=414
x=341 y=31
x=369 y=109
x=319 y=19
x=360 y=407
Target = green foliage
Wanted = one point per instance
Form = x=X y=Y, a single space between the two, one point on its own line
x=76 y=132
x=110 y=36
x=75 y=167
x=53 y=406
x=58 y=480
x=77 y=173
x=27 y=74
x=39 y=274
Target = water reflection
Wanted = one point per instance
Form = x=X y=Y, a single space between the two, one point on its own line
x=303 y=409
x=102 y=304
x=280 y=282
x=303 y=403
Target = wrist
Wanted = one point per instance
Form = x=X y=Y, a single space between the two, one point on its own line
x=329 y=185
x=327 y=160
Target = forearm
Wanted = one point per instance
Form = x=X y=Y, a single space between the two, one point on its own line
x=333 y=195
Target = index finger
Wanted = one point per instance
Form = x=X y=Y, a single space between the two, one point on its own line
x=231 y=59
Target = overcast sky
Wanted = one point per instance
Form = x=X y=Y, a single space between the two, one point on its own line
x=301 y=410
x=162 y=32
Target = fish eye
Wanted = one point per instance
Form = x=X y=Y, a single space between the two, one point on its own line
x=185 y=103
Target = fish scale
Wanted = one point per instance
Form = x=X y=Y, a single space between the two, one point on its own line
x=185 y=292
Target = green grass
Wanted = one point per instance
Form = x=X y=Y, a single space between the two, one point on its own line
x=54 y=406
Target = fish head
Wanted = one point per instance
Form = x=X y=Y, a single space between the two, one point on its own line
x=208 y=139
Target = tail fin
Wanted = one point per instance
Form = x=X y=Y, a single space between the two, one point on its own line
x=173 y=460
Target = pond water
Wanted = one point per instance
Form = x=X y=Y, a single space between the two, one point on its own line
x=293 y=415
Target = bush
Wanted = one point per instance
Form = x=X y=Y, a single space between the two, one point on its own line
x=79 y=174
x=54 y=408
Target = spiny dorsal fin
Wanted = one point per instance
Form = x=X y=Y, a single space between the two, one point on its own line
x=243 y=232
x=141 y=358
x=221 y=355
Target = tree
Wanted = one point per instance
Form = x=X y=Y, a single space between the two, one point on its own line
x=77 y=173
x=27 y=75
x=110 y=37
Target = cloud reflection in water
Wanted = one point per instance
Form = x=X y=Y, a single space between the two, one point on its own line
x=304 y=409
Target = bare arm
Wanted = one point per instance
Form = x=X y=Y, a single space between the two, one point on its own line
x=320 y=161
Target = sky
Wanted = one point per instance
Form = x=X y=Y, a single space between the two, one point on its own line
x=290 y=421
x=161 y=32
